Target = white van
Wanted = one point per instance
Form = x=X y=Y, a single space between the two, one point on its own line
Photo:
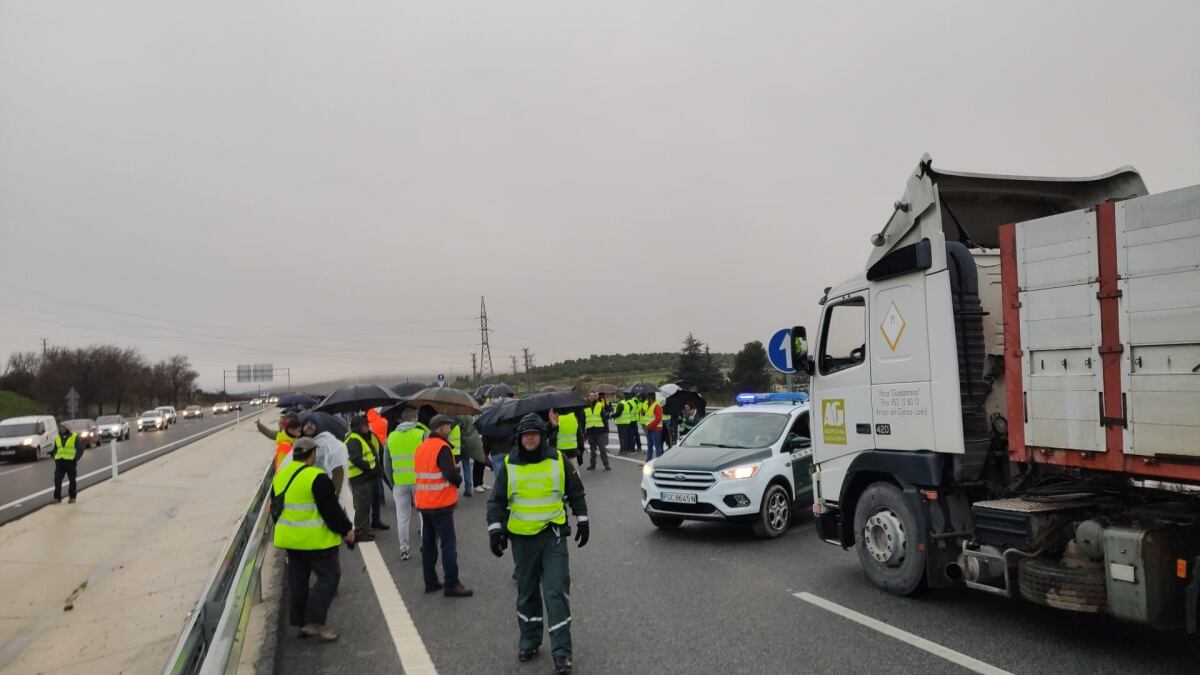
x=28 y=437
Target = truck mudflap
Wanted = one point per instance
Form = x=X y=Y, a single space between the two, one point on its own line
x=1193 y=598
x=829 y=527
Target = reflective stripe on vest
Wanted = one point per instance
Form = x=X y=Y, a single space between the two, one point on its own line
x=433 y=491
x=455 y=440
x=65 y=451
x=369 y=447
x=535 y=495
x=594 y=415
x=568 y=432
x=300 y=526
x=402 y=446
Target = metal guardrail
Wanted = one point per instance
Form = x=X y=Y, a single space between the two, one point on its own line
x=211 y=642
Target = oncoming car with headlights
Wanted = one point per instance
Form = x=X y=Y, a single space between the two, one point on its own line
x=747 y=463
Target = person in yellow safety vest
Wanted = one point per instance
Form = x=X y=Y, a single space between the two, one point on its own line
x=285 y=438
x=66 y=461
x=621 y=418
x=311 y=528
x=402 y=447
x=652 y=422
x=596 y=420
x=566 y=434
x=667 y=423
x=527 y=508
x=363 y=472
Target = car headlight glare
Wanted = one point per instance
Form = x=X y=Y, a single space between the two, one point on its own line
x=743 y=471
x=27 y=441
x=648 y=469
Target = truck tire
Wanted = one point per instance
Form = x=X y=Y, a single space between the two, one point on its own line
x=888 y=540
x=774 y=513
x=666 y=522
x=1053 y=584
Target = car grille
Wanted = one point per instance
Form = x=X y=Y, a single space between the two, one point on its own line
x=697 y=481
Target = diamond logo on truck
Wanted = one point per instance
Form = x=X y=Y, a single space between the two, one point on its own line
x=892 y=327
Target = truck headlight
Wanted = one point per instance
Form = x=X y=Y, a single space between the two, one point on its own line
x=27 y=441
x=743 y=471
x=648 y=469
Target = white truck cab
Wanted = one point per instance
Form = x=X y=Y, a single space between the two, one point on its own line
x=746 y=463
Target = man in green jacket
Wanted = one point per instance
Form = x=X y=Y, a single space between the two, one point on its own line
x=527 y=508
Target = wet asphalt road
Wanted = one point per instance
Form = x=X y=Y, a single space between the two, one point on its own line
x=26 y=486
x=710 y=598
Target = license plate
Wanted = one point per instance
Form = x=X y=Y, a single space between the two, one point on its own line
x=8 y=452
x=680 y=497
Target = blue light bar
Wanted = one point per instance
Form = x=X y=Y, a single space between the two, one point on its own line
x=776 y=397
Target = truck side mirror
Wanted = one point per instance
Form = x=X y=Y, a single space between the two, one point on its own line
x=799 y=346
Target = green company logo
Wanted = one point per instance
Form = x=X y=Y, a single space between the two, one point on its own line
x=833 y=420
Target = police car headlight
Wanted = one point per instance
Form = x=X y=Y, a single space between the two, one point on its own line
x=648 y=469
x=744 y=471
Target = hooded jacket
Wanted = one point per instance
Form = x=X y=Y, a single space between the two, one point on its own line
x=497 y=510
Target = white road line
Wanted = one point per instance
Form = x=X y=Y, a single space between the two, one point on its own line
x=631 y=460
x=972 y=664
x=414 y=657
x=108 y=467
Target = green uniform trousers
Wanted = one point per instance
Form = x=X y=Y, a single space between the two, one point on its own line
x=543 y=571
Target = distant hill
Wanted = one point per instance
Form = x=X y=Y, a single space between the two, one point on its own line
x=15 y=405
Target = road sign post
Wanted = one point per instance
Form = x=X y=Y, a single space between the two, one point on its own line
x=112 y=448
x=72 y=402
x=779 y=351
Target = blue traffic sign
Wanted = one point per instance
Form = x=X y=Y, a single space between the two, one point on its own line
x=779 y=350
x=441 y=377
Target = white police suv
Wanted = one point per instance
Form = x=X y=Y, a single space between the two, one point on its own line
x=745 y=463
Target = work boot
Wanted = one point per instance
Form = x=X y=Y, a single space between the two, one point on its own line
x=71 y=500
x=58 y=500
x=562 y=664
x=458 y=591
x=434 y=588
x=527 y=654
x=404 y=553
x=381 y=526
x=591 y=467
x=607 y=467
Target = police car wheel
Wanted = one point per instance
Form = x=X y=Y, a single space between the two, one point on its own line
x=775 y=513
x=886 y=539
x=666 y=522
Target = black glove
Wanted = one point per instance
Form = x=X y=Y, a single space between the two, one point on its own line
x=498 y=542
x=582 y=532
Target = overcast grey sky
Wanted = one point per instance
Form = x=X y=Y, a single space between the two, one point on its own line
x=331 y=186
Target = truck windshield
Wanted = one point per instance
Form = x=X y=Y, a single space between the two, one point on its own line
x=15 y=430
x=738 y=430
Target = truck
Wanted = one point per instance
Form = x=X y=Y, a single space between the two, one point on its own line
x=1007 y=397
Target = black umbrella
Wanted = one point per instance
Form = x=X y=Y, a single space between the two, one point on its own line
x=358 y=397
x=408 y=388
x=500 y=391
x=326 y=422
x=548 y=388
x=480 y=391
x=675 y=402
x=489 y=421
x=392 y=413
x=562 y=401
x=641 y=389
x=605 y=388
x=296 y=401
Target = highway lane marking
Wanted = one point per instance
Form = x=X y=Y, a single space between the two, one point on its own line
x=414 y=656
x=108 y=468
x=958 y=658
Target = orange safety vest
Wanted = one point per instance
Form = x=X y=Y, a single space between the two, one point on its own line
x=282 y=449
x=433 y=490
x=379 y=426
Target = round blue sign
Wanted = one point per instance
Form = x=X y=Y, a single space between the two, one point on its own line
x=779 y=350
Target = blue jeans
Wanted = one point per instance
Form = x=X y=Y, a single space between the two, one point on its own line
x=468 y=487
x=654 y=444
x=439 y=528
x=497 y=462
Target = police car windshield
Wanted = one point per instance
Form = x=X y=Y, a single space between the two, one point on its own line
x=738 y=430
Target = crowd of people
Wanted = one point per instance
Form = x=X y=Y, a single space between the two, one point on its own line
x=426 y=461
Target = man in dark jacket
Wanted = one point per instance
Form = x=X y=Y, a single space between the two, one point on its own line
x=363 y=473
x=527 y=508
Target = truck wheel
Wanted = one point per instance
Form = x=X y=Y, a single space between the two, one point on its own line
x=1053 y=584
x=774 y=515
x=666 y=522
x=887 y=540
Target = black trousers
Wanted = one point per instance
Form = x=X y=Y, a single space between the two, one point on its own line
x=311 y=605
x=362 y=492
x=64 y=467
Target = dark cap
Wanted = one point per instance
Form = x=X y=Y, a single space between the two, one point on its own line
x=357 y=422
x=439 y=420
x=303 y=447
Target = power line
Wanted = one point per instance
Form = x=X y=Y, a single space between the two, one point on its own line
x=528 y=368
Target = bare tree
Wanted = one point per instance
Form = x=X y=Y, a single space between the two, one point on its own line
x=180 y=377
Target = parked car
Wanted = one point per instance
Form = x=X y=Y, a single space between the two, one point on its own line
x=220 y=408
x=113 y=426
x=28 y=438
x=193 y=412
x=86 y=430
x=152 y=419
x=169 y=412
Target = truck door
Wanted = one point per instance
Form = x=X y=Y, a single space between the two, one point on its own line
x=841 y=422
